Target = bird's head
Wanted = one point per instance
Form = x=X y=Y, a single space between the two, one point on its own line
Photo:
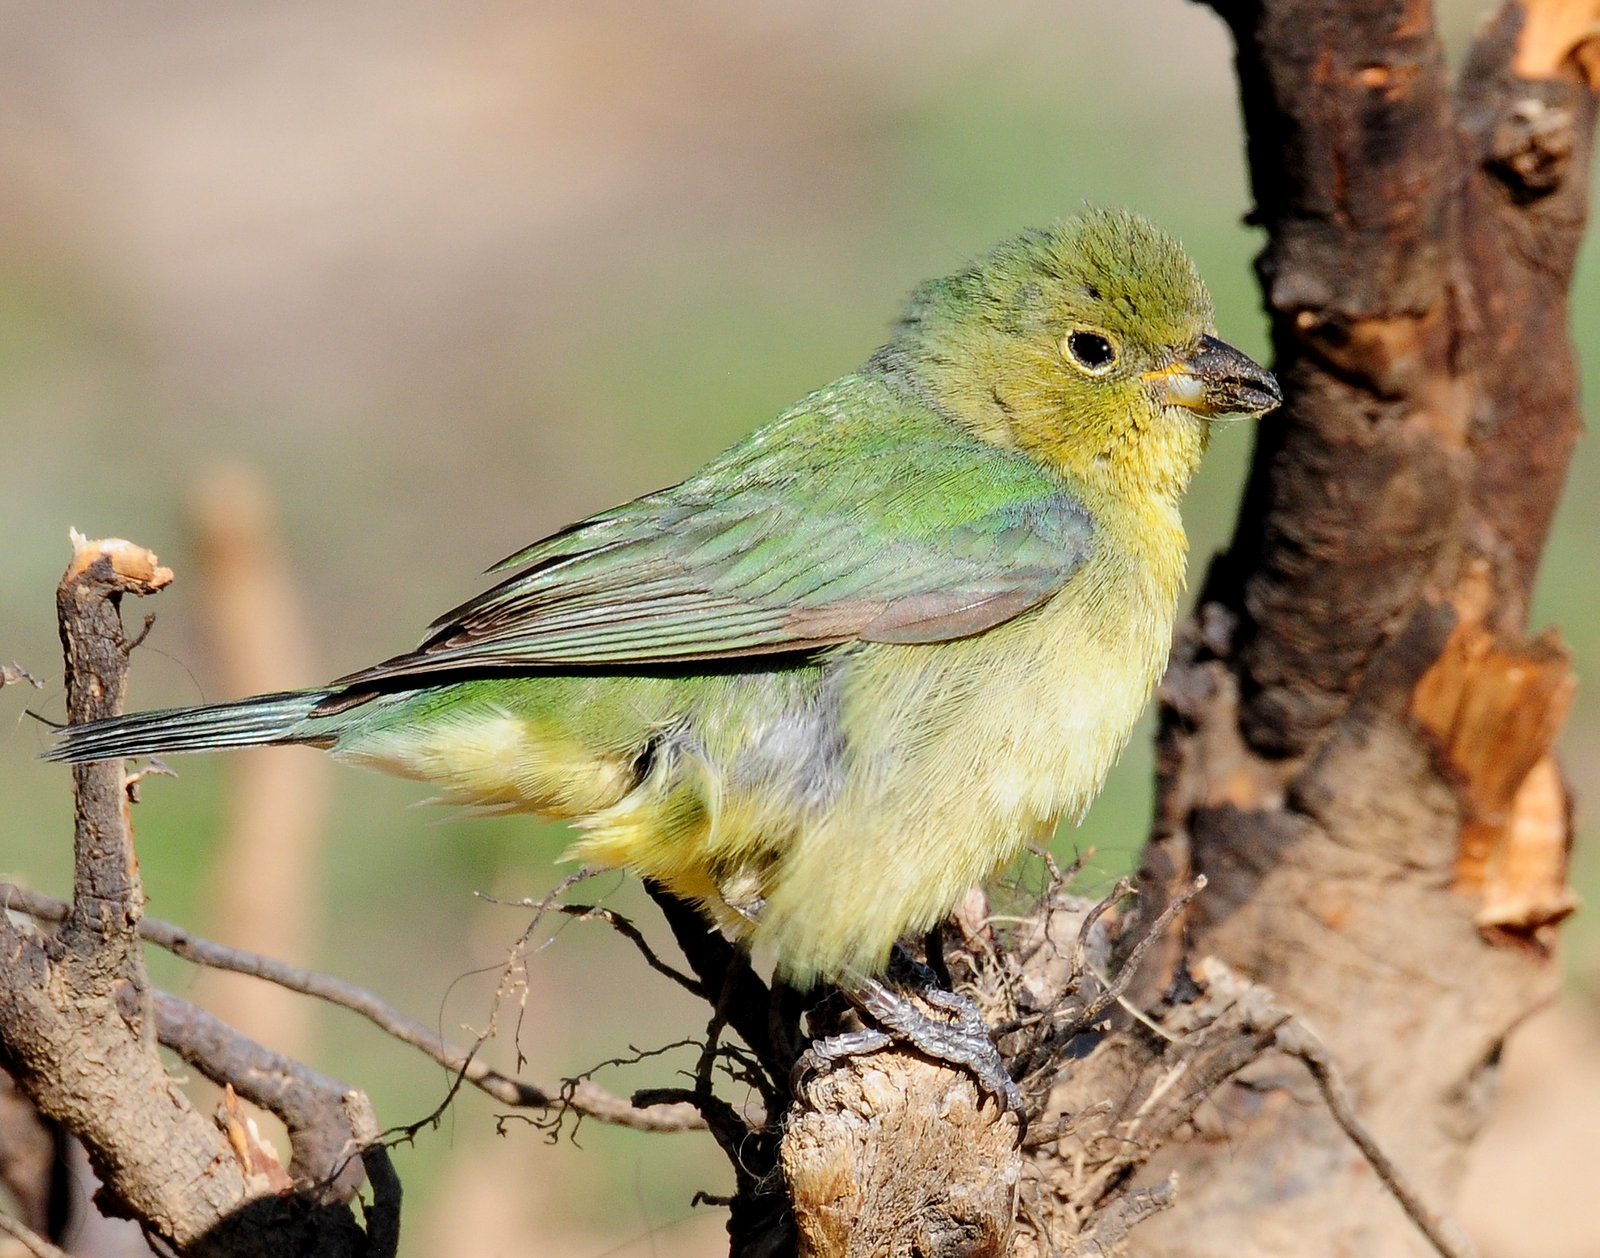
x=1091 y=347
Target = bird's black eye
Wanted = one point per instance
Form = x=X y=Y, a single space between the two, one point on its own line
x=1091 y=350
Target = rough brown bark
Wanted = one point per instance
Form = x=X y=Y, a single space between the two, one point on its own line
x=64 y=1035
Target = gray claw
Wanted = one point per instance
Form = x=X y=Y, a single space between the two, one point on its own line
x=820 y=1054
x=964 y=1042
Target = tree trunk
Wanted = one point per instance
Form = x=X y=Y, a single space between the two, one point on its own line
x=1356 y=735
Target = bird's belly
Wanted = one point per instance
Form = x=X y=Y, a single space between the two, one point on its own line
x=959 y=755
x=1024 y=722
x=1040 y=747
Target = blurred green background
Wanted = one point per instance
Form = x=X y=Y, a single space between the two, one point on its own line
x=449 y=275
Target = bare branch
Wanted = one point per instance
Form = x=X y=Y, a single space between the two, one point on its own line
x=1106 y=1229
x=1297 y=1039
x=96 y=940
x=310 y=1103
x=1080 y=944
x=68 y=1041
x=1130 y=967
x=713 y=958
x=588 y=1099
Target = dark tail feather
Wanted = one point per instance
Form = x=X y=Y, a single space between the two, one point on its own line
x=257 y=722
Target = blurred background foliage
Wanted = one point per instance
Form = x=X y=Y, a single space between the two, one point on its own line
x=443 y=277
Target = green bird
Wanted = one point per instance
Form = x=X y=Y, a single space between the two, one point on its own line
x=858 y=660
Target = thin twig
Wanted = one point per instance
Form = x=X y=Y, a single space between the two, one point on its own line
x=1137 y=1014
x=714 y=1029
x=29 y=1239
x=1059 y=877
x=622 y=925
x=711 y=956
x=1130 y=967
x=1075 y=959
x=1298 y=1040
x=589 y=1099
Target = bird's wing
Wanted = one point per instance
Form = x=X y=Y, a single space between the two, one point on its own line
x=818 y=529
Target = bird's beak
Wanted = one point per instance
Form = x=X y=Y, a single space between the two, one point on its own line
x=1216 y=380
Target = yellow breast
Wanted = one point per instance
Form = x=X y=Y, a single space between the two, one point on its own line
x=961 y=753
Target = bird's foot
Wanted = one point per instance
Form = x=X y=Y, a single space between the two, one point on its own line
x=963 y=1041
x=823 y=1053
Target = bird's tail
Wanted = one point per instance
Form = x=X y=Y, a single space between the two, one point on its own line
x=263 y=721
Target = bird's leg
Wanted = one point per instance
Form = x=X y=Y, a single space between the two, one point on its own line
x=961 y=1041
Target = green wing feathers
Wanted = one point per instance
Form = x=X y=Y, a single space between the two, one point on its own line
x=859 y=515
x=834 y=523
